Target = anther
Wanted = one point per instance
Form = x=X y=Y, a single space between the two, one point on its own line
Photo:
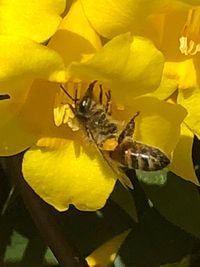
x=190 y=39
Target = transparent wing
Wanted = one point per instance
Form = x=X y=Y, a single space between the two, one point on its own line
x=123 y=178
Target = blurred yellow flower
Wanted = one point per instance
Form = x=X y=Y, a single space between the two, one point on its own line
x=105 y=255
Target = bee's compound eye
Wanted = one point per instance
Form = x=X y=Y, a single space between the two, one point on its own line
x=85 y=105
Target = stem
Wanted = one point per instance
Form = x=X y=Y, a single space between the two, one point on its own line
x=45 y=220
x=140 y=199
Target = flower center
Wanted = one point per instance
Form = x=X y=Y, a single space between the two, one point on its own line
x=190 y=40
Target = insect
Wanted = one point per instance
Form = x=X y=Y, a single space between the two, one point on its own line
x=95 y=119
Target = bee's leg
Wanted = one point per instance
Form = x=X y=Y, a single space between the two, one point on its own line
x=101 y=95
x=108 y=106
x=129 y=129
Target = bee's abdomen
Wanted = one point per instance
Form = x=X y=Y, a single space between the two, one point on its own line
x=134 y=155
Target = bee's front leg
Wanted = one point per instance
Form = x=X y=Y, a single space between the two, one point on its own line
x=129 y=129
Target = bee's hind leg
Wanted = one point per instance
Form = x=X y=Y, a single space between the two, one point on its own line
x=129 y=129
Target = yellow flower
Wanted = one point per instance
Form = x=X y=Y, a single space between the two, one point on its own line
x=63 y=168
x=174 y=27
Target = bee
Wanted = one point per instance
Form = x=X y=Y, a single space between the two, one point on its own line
x=95 y=118
x=135 y=155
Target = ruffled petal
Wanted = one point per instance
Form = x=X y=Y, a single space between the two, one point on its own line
x=75 y=39
x=182 y=164
x=130 y=66
x=65 y=172
x=190 y=99
x=37 y=20
x=22 y=61
x=110 y=18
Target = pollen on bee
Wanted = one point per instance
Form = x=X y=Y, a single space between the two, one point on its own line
x=110 y=144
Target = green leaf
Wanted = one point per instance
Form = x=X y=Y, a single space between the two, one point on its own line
x=178 y=201
x=153 y=177
x=16 y=248
x=185 y=262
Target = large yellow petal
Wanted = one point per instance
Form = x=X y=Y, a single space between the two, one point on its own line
x=65 y=172
x=182 y=164
x=23 y=57
x=75 y=40
x=37 y=20
x=110 y=18
x=22 y=61
x=22 y=128
x=190 y=99
x=158 y=123
x=130 y=66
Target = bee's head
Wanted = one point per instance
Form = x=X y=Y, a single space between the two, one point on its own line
x=83 y=107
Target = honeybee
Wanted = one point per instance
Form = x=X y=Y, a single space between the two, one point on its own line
x=95 y=119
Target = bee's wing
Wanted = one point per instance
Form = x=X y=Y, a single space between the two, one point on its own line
x=123 y=178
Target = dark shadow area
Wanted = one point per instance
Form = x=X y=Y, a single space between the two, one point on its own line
x=155 y=240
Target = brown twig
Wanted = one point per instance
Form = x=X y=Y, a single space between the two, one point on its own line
x=46 y=221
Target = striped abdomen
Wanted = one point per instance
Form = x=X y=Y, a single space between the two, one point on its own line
x=134 y=155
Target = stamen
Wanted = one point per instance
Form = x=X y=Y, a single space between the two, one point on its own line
x=190 y=40
x=63 y=109
x=60 y=109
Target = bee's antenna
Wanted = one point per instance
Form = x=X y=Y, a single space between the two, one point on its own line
x=70 y=97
